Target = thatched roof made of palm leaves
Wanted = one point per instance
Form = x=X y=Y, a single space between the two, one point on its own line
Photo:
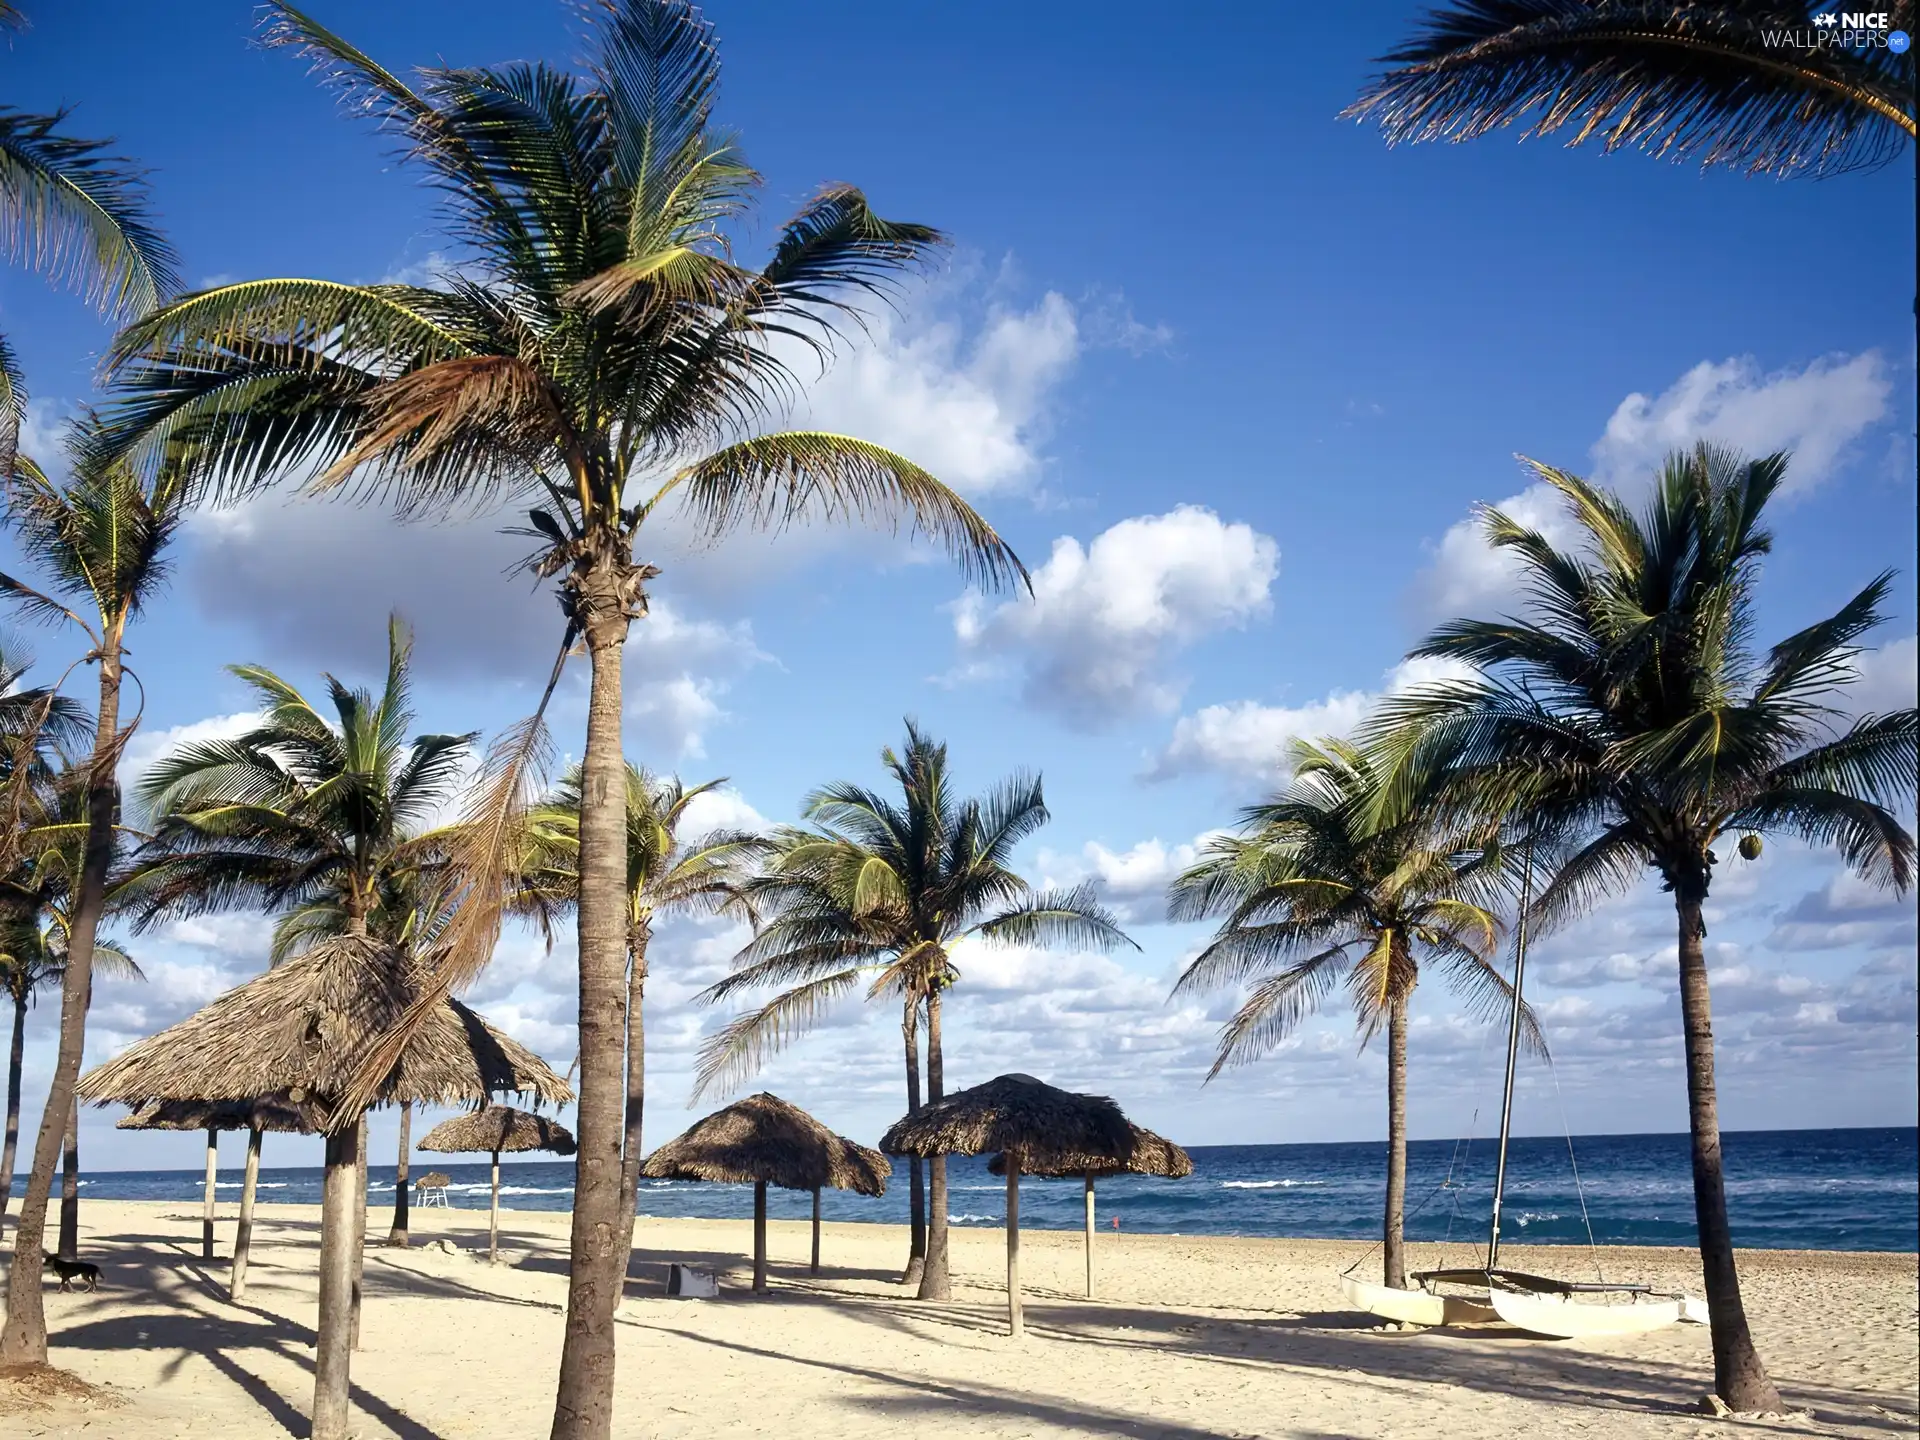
x=433 y=1180
x=764 y=1138
x=273 y=1112
x=1040 y=1123
x=499 y=1128
x=1152 y=1155
x=303 y=1027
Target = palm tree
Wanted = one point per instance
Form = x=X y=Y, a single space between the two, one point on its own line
x=665 y=876
x=99 y=539
x=1706 y=80
x=883 y=892
x=1316 y=891
x=601 y=349
x=309 y=813
x=1626 y=716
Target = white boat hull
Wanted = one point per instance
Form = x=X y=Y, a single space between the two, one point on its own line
x=1413 y=1307
x=1571 y=1320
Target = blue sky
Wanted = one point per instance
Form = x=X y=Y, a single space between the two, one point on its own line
x=1228 y=373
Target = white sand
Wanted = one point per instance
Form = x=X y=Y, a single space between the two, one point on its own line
x=1190 y=1338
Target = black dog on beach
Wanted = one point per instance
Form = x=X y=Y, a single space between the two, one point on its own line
x=72 y=1270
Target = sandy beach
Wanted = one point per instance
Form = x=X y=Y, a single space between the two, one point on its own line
x=1190 y=1339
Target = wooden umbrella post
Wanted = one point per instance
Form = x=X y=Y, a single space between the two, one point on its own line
x=1016 y=1326
x=493 y=1216
x=759 y=1235
x=1090 y=1217
x=206 y=1217
x=243 y=1241
x=815 y=1270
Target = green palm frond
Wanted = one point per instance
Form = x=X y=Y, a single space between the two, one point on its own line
x=1694 y=81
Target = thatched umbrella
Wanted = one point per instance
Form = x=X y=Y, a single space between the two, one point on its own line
x=433 y=1180
x=1152 y=1155
x=497 y=1128
x=301 y=1030
x=256 y=1117
x=765 y=1140
x=1033 y=1124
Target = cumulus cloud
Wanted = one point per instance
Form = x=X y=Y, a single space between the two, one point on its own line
x=148 y=745
x=1816 y=412
x=1246 y=739
x=1888 y=678
x=1132 y=882
x=1105 y=618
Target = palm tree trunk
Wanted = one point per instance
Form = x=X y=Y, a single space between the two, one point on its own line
x=1394 y=1228
x=759 y=1237
x=23 y=1340
x=602 y=1230
x=935 y=1283
x=630 y=1141
x=243 y=1238
x=70 y=1187
x=1738 y=1375
x=916 y=1175
x=333 y=1343
x=398 y=1236
x=208 y=1200
x=11 y=1147
x=362 y=1153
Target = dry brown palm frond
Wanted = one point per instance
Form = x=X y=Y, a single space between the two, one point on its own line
x=303 y=1030
x=763 y=1138
x=498 y=1129
x=1040 y=1124
x=275 y=1113
x=1152 y=1155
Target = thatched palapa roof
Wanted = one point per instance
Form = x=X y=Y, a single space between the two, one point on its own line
x=274 y=1113
x=1152 y=1155
x=433 y=1180
x=304 y=1026
x=763 y=1138
x=1040 y=1124
x=499 y=1128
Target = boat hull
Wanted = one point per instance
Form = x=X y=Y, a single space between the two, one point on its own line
x=1567 y=1319
x=1414 y=1307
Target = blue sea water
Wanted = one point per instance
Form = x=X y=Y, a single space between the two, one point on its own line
x=1786 y=1189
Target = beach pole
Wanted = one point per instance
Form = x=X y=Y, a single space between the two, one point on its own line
x=816 y=1231
x=359 y=1255
x=1016 y=1326
x=206 y=1216
x=1089 y=1234
x=759 y=1236
x=237 y=1284
x=493 y=1216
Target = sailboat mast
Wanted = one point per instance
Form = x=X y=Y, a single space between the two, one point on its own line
x=1513 y=1053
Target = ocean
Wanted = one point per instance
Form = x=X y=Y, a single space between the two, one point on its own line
x=1786 y=1189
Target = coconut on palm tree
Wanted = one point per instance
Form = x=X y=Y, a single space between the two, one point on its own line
x=667 y=874
x=880 y=892
x=1626 y=715
x=1718 y=81
x=600 y=349
x=99 y=541
x=1316 y=891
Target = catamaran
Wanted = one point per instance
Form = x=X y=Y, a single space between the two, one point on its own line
x=1489 y=1294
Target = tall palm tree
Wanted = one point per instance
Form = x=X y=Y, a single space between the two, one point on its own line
x=1626 y=715
x=600 y=349
x=1701 y=79
x=1316 y=891
x=309 y=813
x=99 y=539
x=882 y=892
x=666 y=875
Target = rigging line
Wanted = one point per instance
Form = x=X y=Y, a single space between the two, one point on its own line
x=1578 y=1189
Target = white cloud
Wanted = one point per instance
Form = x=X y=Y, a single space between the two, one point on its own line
x=148 y=745
x=722 y=809
x=1249 y=740
x=1104 y=618
x=1133 y=882
x=1889 y=678
x=1816 y=413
